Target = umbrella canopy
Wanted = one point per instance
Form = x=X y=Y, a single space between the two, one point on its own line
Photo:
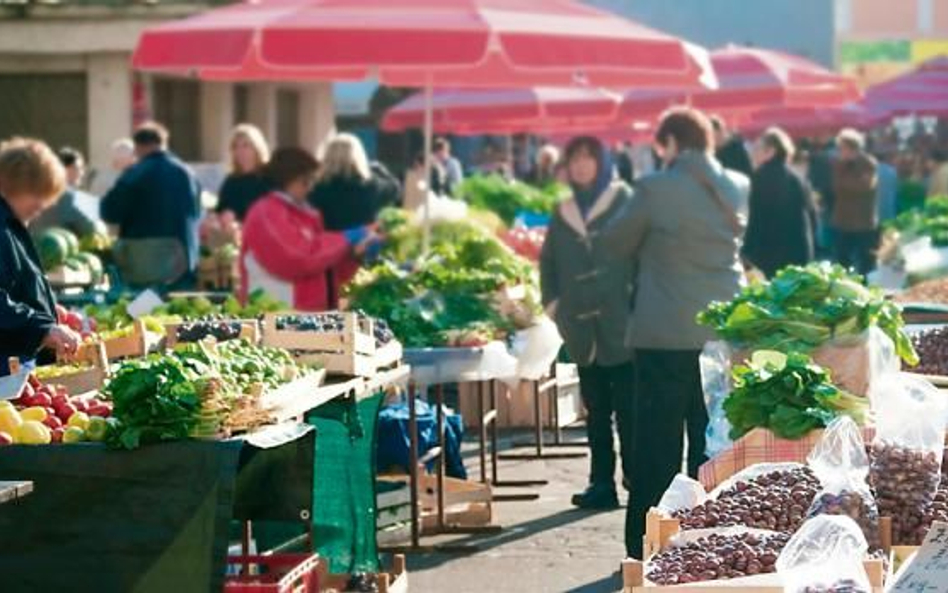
x=443 y=43
x=511 y=110
x=923 y=91
x=751 y=79
x=811 y=121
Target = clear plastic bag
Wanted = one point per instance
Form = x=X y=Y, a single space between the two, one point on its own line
x=840 y=462
x=860 y=363
x=684 y=493
x=905 y=470
x=825 y=556
x=715 y=364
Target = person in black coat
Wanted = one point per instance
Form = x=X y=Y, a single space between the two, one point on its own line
x=349 y=192
x=729 y=149
x=31 y=179
x=245 y=183
x=783 y=215
x=155 y=204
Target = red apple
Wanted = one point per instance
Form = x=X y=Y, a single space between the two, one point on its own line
x=60 y=400
x=74 y=321
x=100 y=410
x=5 y=438
x=27 y=391
x=64 y=412
x=62 y=314
x=42 y=400
x=80 y=404
x=57 y=434
x=52 y=422
x=93 y=324
x=34 y=382
x=51 y=411
x=61 y=390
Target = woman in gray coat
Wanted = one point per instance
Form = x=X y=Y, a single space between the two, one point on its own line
x=684 y=227
x=589 y=295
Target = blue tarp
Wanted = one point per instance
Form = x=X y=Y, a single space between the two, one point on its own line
x=394 y=441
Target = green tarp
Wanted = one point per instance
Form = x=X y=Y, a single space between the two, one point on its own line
x=150 y=520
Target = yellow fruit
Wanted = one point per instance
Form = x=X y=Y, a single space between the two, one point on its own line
x=79 y=420
x=35 y=413
x=74 y=434
x=98 y=429
x=5 y=404
x=33 y=433
x=10 y=421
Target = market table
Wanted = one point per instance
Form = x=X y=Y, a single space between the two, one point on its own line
x=10 y=491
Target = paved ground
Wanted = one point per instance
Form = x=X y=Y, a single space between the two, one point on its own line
x=545 y=546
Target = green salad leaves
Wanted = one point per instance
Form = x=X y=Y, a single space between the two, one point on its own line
x=803 y=308
x=787 y=394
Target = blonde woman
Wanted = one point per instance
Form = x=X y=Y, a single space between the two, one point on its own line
x=350 y=191
x=245 y=183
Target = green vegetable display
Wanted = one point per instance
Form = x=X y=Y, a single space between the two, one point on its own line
x=452 y=296
x=509 y=198
x=931 y=221
x=803 y=308
x=787 y=394
x=193 y=392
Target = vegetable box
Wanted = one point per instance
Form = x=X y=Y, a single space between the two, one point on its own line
x=347 y=348
x=659 y=534
x=394 y=581
x=89 y=373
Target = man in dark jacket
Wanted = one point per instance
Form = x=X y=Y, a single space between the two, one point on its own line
x=782 y=222
x=156 y=205
x=856 y=210
x=589 y=295
x=729 y=148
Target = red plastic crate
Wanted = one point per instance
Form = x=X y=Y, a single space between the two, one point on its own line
x=278 y=573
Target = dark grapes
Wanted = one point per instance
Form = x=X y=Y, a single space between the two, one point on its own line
x=219 y=329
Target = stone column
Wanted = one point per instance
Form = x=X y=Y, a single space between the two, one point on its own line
x=261 y=108
x=109 y=89
x=317 y=115
x=217 y=116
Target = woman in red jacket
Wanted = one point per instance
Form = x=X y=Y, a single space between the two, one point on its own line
x=286 y=250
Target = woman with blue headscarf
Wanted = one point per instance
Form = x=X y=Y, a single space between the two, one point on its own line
x=589 y=294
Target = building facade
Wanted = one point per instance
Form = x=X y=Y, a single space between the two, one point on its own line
x=65 y=77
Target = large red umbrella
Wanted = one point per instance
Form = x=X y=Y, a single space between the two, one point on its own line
x=811 y=121
x=541 y=109
x=444 y=43
x=751 y=79
x=923 y=91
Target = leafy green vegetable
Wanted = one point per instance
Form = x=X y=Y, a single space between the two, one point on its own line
x=509 y=198
x=931 y=221
x=450 y=295
x=790 y=399
x=803 y=308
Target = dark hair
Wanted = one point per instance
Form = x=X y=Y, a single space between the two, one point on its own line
x=689 y=127
x=289 y=164
x=717 y=124
x=780 y=142
x=69 y=156
x=150 y=133
x=440 y=144
x=590 y=144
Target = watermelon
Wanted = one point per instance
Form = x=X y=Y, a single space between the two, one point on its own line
x=94 y=265
x=53 y=249
x=76 y=264
x=71 y=240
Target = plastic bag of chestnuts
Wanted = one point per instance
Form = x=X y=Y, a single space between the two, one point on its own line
x=825 y=556
x=840 y=462
x=906 y=455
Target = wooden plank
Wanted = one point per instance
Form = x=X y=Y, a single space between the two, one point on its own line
x=10 y=491
x=297 y=397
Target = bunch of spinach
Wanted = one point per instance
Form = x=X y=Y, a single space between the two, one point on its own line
x=787 y=394
x=803 y=308
x=507 y=198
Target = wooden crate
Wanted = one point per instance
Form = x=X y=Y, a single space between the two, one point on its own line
x=393 y=581
x=467 y=503
x=64 y=277
x=249 y=330
x=350 y=352
x=137 y=344
x=660 y=530
x=90 y=379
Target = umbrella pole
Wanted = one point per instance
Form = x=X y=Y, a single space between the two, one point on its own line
x=429 y=124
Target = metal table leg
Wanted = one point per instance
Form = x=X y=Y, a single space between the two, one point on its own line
x=539 y=390
x=494 y=455
x=413 y=466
